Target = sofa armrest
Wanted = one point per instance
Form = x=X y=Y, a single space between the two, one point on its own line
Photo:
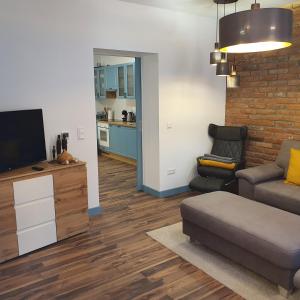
x=297 y=280
x=261 y=173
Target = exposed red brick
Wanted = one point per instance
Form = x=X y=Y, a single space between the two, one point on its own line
x=268 y=100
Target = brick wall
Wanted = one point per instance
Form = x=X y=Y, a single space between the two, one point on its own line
x=268 y=101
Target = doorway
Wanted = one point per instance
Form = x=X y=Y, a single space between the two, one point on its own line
x=117 y=83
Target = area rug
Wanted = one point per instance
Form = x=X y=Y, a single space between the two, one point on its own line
x=240 y=280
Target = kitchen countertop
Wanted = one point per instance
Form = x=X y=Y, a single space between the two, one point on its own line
x=119 y=123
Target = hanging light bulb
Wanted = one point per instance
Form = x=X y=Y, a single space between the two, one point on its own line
x=215 y=56
x=256 y=30
x=233 y=80
x=223 y=66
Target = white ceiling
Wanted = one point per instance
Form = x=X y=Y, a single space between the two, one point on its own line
x=206 y=7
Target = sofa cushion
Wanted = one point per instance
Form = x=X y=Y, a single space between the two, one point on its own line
x=279 y=194
x=293 y=174
x=266 y=231
x=261 y=173
x=283 y=157
x=216 y=172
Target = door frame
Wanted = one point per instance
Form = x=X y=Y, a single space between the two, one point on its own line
x=138 y=99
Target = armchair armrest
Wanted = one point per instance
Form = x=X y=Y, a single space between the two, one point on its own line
x=261 y=173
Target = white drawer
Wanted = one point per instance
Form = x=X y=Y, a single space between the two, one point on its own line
x=35 y=213
x=33 y=189
x=36 y=237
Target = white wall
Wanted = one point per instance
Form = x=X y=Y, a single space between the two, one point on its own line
x=47 y=61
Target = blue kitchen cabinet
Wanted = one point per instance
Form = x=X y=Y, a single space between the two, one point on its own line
x=131 y=146
x=121 y=81
x=111 y=81
x=122 y=141
x=96 y=82
x=130 y=81
x=99 y=78
x=126 y=80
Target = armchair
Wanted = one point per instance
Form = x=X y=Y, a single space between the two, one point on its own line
x=228 y=143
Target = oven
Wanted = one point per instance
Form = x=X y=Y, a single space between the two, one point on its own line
x=103 y=134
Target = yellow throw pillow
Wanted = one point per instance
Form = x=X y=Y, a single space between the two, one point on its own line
x=293 y=175
x=218 y=164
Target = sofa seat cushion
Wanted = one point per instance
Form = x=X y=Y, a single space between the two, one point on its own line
x=266 y=231
x=279 y=194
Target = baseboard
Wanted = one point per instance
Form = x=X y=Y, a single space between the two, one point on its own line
x=166 y=193
x=95 y=211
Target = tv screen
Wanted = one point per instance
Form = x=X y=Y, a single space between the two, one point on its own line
x=22 y=138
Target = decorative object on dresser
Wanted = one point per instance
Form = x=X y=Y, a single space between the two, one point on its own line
x=38 y=209
x=66 y=158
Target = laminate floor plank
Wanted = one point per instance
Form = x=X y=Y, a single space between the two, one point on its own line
x=115 y=259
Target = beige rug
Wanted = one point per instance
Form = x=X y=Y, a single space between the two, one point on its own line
x=240 y=280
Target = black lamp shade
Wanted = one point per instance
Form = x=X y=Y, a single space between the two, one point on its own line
x=256 y=30
x=223 y=68
x=216 y=55
x=233 y=81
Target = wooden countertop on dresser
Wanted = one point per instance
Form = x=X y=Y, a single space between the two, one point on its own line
x=27 y=171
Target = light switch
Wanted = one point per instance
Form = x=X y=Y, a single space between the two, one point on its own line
x=169 y=125
x=80 y=133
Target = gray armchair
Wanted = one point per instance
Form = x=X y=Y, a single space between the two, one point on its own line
x=266 y=184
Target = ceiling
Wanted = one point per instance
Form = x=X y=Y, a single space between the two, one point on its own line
x=206 y=7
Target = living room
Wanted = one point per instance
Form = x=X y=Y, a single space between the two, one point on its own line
x=47 y=63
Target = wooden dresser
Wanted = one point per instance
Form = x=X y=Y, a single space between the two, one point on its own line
x=38 y=208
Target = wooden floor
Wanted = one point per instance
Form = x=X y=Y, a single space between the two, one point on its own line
x=115 y=259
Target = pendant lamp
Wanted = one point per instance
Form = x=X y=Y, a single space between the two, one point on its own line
x=233 y=80
x=215 y=56
x=223 y=66
x=256 y=30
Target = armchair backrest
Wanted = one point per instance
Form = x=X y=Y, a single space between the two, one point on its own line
x=229 y=141
x=283 y=157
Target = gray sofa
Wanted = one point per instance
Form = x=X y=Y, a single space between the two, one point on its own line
x=265 y=183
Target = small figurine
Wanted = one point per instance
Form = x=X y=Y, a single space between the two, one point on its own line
x=64 y=142
x=66 y=158
x=58 y=145
x=53 y=152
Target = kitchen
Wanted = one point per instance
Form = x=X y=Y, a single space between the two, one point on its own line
x=115 y=107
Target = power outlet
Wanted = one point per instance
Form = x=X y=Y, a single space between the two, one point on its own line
x=80 y=133
x=171 y=171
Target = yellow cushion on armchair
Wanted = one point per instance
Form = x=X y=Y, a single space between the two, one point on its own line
x=217 y=164
x=293 y=175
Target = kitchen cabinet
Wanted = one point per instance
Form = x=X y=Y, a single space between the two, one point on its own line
x=121 y=81
x=111 y=78
x=126 y=81
x=99 y=78
x=96 y=82
x=102 y=83
x=120 y=78
x=122 y=141
x=130 y=81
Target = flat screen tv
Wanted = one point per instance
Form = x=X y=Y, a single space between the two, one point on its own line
x=22 y=138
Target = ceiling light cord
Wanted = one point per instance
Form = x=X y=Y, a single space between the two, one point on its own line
x=217 y=27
